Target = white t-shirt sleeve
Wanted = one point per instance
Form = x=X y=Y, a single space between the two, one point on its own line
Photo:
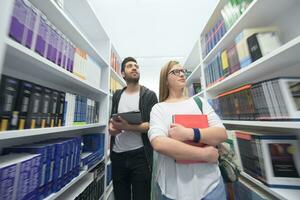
x=213 y=119
x=157 y=123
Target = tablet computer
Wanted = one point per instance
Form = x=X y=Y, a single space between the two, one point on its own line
x=131 y=117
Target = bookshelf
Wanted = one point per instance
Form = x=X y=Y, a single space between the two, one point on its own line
x=283 y=126
x=286 y=55
x=109 y=190
x=78 y=184
x=281 y=62
x=256 y=10
x=284 y=194
x=194 y=77
x=79 y=23
x=38 y=132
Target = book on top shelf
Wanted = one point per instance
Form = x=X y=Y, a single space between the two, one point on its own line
x=242 y=46
x=191 y=121
x=271 y=158
x=260 y=44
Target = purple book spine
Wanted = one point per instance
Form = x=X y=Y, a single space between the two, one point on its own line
x=24 y=179
x=66 y=50
x=50 y=42
x=29 y=26
x=41 y=37
x=72 y=55
x=59 y=49
x=18 y=21
x=8 y=182
x=55 y=46
x=69 y=56
x=63 y=57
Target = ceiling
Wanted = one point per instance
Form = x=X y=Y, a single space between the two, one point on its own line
x=153 y=31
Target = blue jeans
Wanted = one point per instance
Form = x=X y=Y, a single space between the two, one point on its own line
x=218 y=193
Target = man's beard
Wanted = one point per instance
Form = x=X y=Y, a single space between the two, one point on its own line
x=131 y=79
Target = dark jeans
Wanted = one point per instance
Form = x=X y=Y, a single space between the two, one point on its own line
x=131 y=175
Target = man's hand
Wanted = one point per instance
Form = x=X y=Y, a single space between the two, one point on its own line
x=180 y=133
x=113 y=130
x=120 y=124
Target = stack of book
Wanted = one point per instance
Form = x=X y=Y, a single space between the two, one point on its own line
x=92 y=150
x=20 y=176
x=250 y=45
x=59 y=163
x=214 y=72
x=80 y=110
x=274 y=99
x=95 y=189
x=273 y=159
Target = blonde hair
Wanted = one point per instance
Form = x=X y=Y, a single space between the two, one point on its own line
x=163 y=86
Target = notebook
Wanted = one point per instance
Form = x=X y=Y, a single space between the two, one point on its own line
x=191 y=121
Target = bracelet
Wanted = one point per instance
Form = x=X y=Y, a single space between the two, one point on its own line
x=197 y=135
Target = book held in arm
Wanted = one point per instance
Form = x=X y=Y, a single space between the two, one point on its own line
x=191 y=121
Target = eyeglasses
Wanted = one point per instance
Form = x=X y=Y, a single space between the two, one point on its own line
x=177 y=72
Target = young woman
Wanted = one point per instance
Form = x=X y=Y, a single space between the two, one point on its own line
x=176 y=181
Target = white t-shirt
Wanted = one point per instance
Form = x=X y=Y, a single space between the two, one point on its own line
x=127 y=140
x=182 y=181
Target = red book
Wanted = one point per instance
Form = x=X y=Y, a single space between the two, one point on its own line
x=191 y=121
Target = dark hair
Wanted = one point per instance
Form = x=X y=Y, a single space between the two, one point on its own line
x=126 y=60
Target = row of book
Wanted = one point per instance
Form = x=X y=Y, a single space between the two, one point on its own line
x=275 y=99
x=92 y=150
x=114 y=85
x=115 y=62
x=250 y=45
x=34 y=171
x=213 y=36
x=94 y=190
x=26 y=105
x=230 y=14
x=194 y=88
x=272 y=158
x=31 y=28
x=86 y=68
x=80 y=110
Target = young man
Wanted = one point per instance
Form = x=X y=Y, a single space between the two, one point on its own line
x=131 y=155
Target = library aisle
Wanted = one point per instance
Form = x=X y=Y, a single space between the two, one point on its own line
x=59 y=69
